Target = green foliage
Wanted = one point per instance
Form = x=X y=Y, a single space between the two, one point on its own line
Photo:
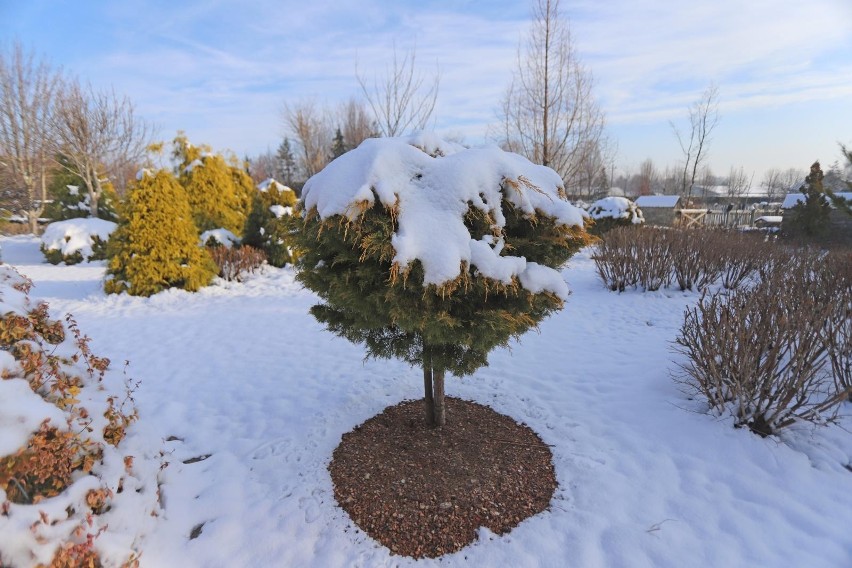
x=267 y=231
x=809 y=219
x=156 y=243
x=370 y=300
x=219 y=192
x=69 y=199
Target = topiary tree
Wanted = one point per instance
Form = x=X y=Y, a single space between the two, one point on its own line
x=435 y=254
x=219 y=193
x=267 y=226
x=156 y=244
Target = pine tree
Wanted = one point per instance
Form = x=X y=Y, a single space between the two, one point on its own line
x=338 y=146
x=810 y=218
x=70 y=200
x=156 y=243
x=268 y=226
x=286 y=163
x=368 y=298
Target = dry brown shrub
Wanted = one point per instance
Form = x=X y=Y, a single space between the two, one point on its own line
x=235 y=262
x=763 y=352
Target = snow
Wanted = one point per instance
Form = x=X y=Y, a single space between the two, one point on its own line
x=793 y=199
x=648 y=201
x=280 y=210
x=615 y=208
x=142 y=173
x=433 y=182
x=271 y=182
x=645 y=477
x=75 y=235
x=196 y=163
x=221 y=236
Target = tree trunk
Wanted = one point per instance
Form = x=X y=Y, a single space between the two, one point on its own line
x=438 y=390
x=428 y=398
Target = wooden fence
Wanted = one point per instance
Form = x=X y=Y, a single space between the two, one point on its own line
x=723 y=217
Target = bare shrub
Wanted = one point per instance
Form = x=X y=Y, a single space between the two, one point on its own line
x=762 y=352
x=235 y=262
x=742 y=253
x=615 y=259
x=652 y=249
x=835 y=288
x=685 y=256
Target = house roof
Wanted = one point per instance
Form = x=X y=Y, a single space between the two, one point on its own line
x=792 y=199
x=650 y=201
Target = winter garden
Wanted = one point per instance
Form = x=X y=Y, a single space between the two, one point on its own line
x=543 y=385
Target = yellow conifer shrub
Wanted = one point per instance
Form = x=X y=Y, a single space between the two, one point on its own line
x=156 y=243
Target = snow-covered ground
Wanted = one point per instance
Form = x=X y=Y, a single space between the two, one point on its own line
x=243 y=373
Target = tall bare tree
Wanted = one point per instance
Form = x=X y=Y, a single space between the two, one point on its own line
x=313 y=131
x=738 y=182
x=773 y=183
x=101 y=136
x=703 y=118
x=28 y=90
x=356 y=125
x=648 y=177
x=404 y=99
x=549 y=113
x=792 y=180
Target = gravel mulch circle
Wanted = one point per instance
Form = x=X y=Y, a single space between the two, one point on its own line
x=425 y=492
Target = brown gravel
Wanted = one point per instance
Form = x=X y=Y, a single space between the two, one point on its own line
x=424 y=492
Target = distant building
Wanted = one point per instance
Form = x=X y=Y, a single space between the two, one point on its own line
x=659 y=210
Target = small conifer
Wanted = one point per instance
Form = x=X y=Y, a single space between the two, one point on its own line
x=268 y=227
x=348 y=259
x=156 y=243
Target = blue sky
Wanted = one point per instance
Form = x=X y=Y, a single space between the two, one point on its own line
x=222 y=70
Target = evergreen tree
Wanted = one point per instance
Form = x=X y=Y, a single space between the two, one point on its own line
x=70 y=200
x=338 y=146
x=810 y=218
x=220 y=194
x=348 y=259
x=268 y=226
x=156 y=243
x=286 y=163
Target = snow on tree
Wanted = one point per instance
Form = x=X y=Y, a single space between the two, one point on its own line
x=435 y=254
x=75 y=240
x=156 y=244
x=267 y=226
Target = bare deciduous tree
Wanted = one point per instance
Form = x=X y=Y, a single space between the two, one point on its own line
x=703 y=118
x=549 y=113
x=738 y=182
x=773 y=183
x=792 y=180
x=648 y=177
x=355 y=123
x=101 y=136
x=403 y=100
x=28 y=90
x=312 y=130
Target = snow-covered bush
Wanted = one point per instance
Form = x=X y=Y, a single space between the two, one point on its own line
x=611 y=212
x=76 y=240
x=268 y=227
x=219 y=238
x=762 y=353
x=67 y=486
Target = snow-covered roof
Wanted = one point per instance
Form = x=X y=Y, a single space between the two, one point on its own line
x=433 y=183
x=651 y=201
x=792 y=199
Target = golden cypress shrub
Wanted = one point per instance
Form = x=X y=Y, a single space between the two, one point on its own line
x=156 y=243
x=219 y=191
